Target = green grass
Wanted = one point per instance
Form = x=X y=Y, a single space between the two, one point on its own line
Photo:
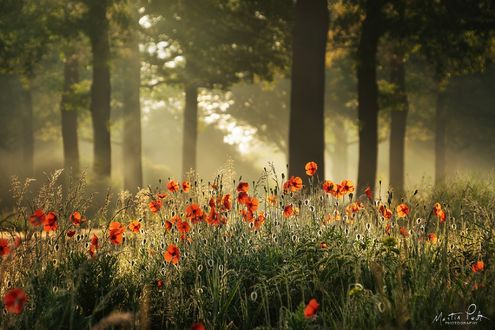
x=234 y=277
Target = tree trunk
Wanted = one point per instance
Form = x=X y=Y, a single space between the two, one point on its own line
x=133 y=173
x=68 y=110
x=340 y=158
x=27 y=132
x=306 y=123
x=100 y=88
x=368 y=95
x=440 y=137
x=398 y=123
x=190 y=129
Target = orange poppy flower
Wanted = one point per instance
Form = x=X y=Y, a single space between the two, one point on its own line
x=346 y=187
x=404 y=232
x=432 y=237
x=252 y=204
x=439 y=213
x=311 y=308
x=172 y=254
x=368 y=193
x=94 y=245
x=116 y=232
x=288 y=210
x=198 y=326
x=37 y=218
x=76 y=218
x=168 y=225
x=161 y=195
x=293 y=184
x=186 y=186
x=4 y=247
x=227 y=202
x=155 y=206
x=259 y=221
x=272 y=200
x=173 y=186
x=14 y=300
x=402 y=210
x=194 y=212
x=243 y=187
x=134 y=226
x=247 y=216
x=183 y=226
x=385 y=212
x=478 y=266
x=50 y=222
x=353 y=208
x=329 y=187
x=311 y=168
x=242 y=197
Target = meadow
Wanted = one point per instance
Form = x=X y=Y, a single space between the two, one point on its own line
x=277 y=253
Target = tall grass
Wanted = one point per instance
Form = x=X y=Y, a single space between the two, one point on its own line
x=364 y=274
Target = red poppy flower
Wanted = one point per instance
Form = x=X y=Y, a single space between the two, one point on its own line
x=116 y=232
x=311 y=168
x=432 y=237
x=183 y=226
x=168 y=225
x=198 y=326
x=329 y=187
x=227 y=202
x=4 y=247
x=368 y=193
x=155 y=206
x=243 y=187
x=293 y=184
x=259 y=221
x=194 y=212
x=247 y=216
x=478 y=266
x=161 y=195
x=76 y=218
x=288 y=210
x=36 y=219
x=385 y=212
x=134 y=226
x=50 y=222
x=346 y=187
x=404 y=232
x=173 y=186
x=186 y=186
x=272 y=200
x=94 y=245
x=172 y=254
x=311 y=308
x=388 y=229
x=402 y=210
x=14 y=300
x=252 y=204
x=242 y=197
x=71 y=233
x=159 y=284
x=439 y=213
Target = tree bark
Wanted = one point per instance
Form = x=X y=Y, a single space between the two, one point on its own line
x=100 y=88
x=398 y=122
x=306 y=123
x=133 y=173
x=368 y=95
x=340 y=158
x=68 y=110
x=190 y=129
x=440 y=137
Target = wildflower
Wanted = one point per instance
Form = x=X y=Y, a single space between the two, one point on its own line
x=71 y=233
x=242 y=197
x=227 y=202
x=439 y=213
x=243 y=187
x=478 y=266
x=288 y=210
x=311 y=168
x=311 y=308
x=346 y=187
x=173 y=186
x=329 y=187
x=134 y=226
x=323 y=245
x=404 y=232
x=247 y=216
x=368 y=193
x=116 y=232
x=198 y=326
x=186 y=186
x=385 y=212
x=161 y=195
x=37 y=218
x=94 y=245
x=183 y=226
x=194 y=212
x=14 y=300
x=168 y=225
x=159 y=284
x=76 y=218
x=50 y=222
x=388 y=229
x=402 y=210
x=252 y=204
x=172 y=254
x=272 y=200
x=293 y=184
x=259 y=221
x=432 y=237
x=155 y=205
x=4 y=247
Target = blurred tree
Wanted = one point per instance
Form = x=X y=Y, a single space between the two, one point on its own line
x=306 y=123
x=206 y=44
